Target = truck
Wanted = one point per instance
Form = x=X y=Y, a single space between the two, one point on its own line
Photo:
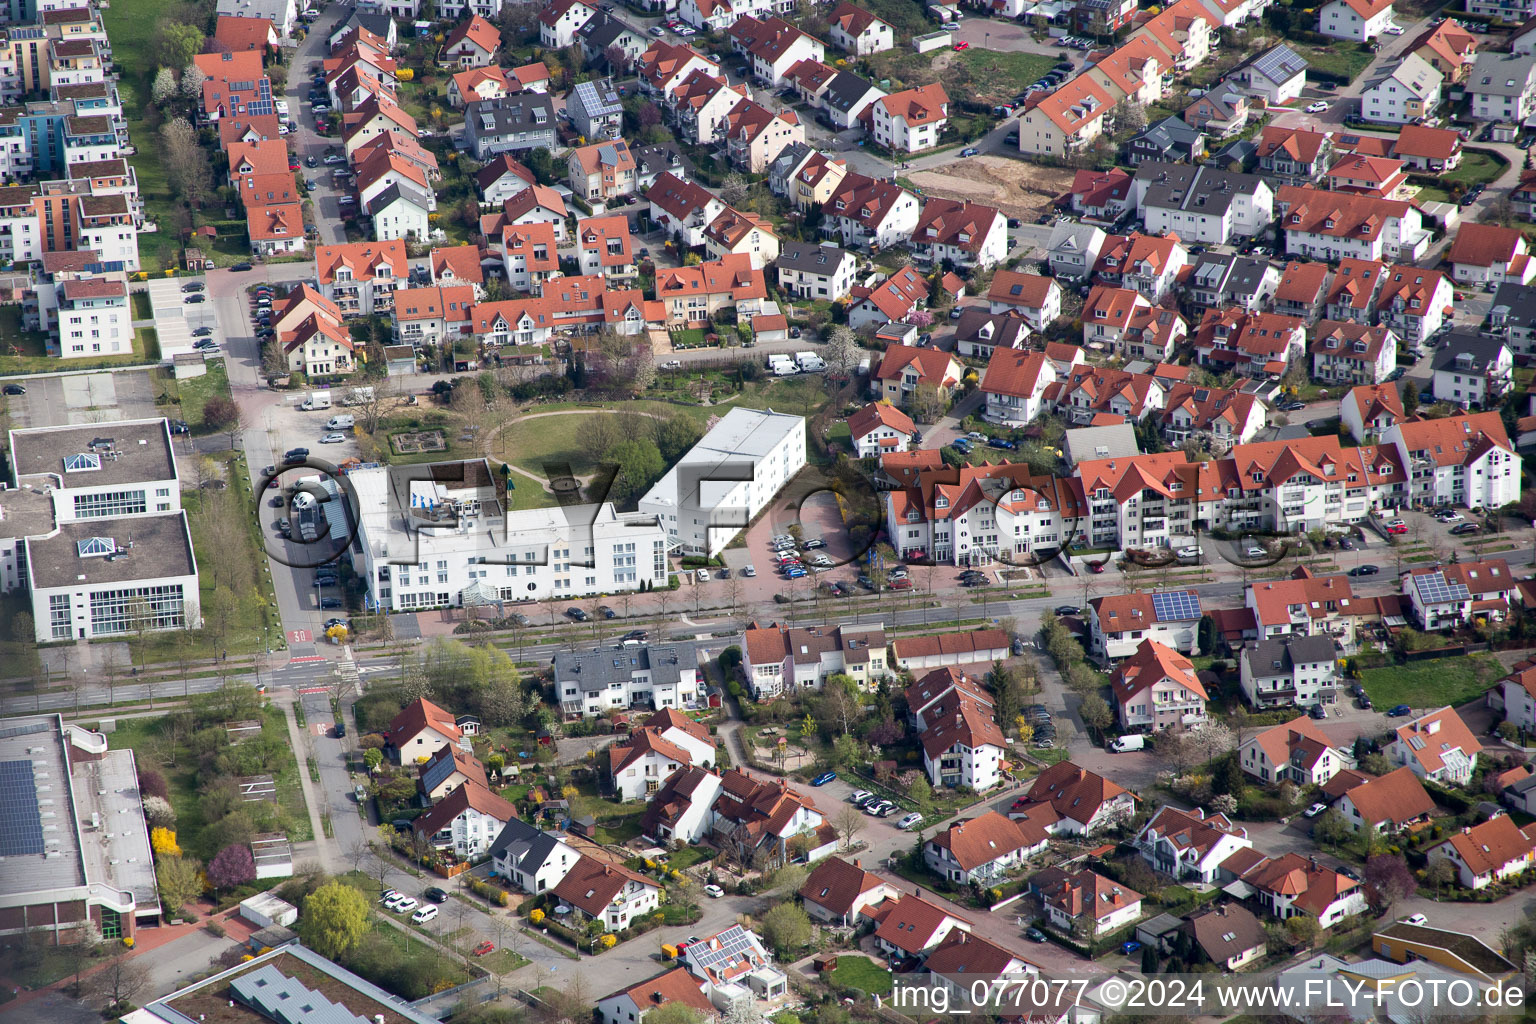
x=1129 y=742
x=316 y=400
x=781 y=365
x=357 y=396
x=342 y=422
x=810 y=362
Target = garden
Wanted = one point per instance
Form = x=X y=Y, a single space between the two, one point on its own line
x=1433 y=682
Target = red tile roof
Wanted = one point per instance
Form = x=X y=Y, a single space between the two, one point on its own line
x=420 y=714
x=879 y=414
x=1073 y=792
x=592 y=884
x=835 y=884
x=980 y=840
x=912 y=923
x=1490 y=846
x=1484 y=245
x=471 y=796
x=1150 y=665
x=476 y=30
x=1395 y=797
x=1430 y=737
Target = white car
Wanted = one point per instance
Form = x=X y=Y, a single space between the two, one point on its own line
x=390 y=894
x=713 y=891
x=909 y=821
x=404 y=906
x=333 y=439
x=1416 y=919
x=1315 y=810
x=749 y=572
x=1189 y=552
x=1254 y=551
x=424 y=915
x=1393 y=30
x=1318 y=107
x=1450 y=517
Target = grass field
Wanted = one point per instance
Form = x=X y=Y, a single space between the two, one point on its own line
x=23 y=351
x=1342 y=59
x=1433 y=683
x=194 y=392
x=1018 y=70
x=1477 y=165
x=862 y=974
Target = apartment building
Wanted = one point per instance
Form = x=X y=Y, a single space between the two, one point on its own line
x=1118 y=624
x=1300 y=670
x=659 y=676
x=1155 y=689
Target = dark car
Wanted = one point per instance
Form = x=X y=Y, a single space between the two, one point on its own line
x=15 y=389
x=436 y=895
x=1399 y=711
x=823 y=778
x=1462 y=529
x=310 y=161
x=1068 y=609
x=330 y=602
x=1001 y=442
x=637 y=634
x=196 y=297
x=332 y=623
x=296 y=455
x=202 y=332
x=607 y=612
x=179 y=426
x=1034 y=934
x=520 y=618
x=576 y=613
x=240 y=268
x=1318 y=712
x=1364 y=570
x=192 y=286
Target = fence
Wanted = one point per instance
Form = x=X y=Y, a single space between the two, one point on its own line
x=450 y=995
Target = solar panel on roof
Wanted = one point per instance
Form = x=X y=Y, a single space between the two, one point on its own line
x=1435 y=588
x=1176 y=606
x=21 y=823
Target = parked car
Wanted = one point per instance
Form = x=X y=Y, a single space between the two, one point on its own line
x=486 y=946
x=1067 y=609
x=405 y=905
x=435 y=894
x=1399 y=711
x=1364 y=570
x=1034 y=934
x=607 y=612
x=713 y=891
x=576 y=613
x=909 y=821
x=1464 y=529
x=15 y=389
x=333 y=439
x=858 y=794
x=823 y=778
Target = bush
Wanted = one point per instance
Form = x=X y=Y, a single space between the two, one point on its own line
x=152 y=783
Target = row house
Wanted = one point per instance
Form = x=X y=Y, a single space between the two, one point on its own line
x=1344 y=352
x=1369 y=409
x=1333 y=225
x=1414 y=303
x=1306 y=605
x=814 y=179
x=1224 y=281
x=533 y=206
x=1133 y=71
x=433 y=314
x=699 y=104
x=1149 y=264
x=1294 y=156
x=665 y=66
x=755 y=135
x=361 y=277
x=1222 y=416
x=1102 y=195
x=773 y=46
x=1253 y=344
x=1379 y=176
x=529 y=255
x=1107 y=314
x=1202 y=203
x=1184 y=30
x=697 y=293
x=870 y=213
x=1489 y=255
x=1090 y=393
x=1035 y=298
x=458 y=265
x=960 y=234
x=1454 y=595
x=780 y=659
x=604 y=248
x=1302 y=290
x=848 y=101
x=683 y=209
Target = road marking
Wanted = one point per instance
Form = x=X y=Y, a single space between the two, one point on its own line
x=300 y=636
x=306 y=659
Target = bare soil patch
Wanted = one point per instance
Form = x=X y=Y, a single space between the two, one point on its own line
x=1018 y=188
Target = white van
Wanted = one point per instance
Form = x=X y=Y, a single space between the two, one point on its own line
x=425 y=914
x=342 y=422
x=1127 y=743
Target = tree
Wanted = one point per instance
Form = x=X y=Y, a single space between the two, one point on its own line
x=927 y=403
x=176 y=43
x=179 y=884
x=669 y=1012
x=186 y=161
x=787 y=929
x=1440 y=873
x=921 y=793
x=1095 y=712
x=232 y=867
x=164 y=88
x=1410 y=397
x=1302 y=930
x=192 y=79
x=849 y=822
x=639 y=465
x=1388 y=880
x=163 y=841
x=119 y=983
x=335 y=918
x=1331 y=829
x=733 y=189
x=159 y=812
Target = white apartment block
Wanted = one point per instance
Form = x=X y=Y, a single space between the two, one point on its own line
x=657 y=676
x=1282 y=671
x=726 y=479
x=1462 y=460
x=439 y=535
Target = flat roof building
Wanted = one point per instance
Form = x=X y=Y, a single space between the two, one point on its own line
x=726 y=479
x=440 y=535
x=74 y=846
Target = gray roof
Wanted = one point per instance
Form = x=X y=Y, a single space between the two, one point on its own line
x=134 y=451
x=142 y=548
x=1170 y=132
x=1115 y=441
x=1072 y=236
x=1516 y=301
x=1234 y=274
x=510 y=114
x=1202 y=189
x=25 y=512
x=814 y=259
x=604 y=30
x=1006 y=330
x=526 y=846
x=1279 y=656
x=1238 y=151
x=1501 y=74
x=595 y=670
x=396 y=191
x=1467 y=353
x=1278 y=64
x=663 y=156
x=598 y=99
x=845 y=89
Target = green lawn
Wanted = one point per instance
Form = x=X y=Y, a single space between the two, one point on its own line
x=142 y=308
x=617 y=830
x=23 y=351
x=1340 y=59
x=194 y=392
x=1477 y=165
x=686 y=858
x=862 y=974
x=1430 y=194
x=1019 y=70
x=1432 y=683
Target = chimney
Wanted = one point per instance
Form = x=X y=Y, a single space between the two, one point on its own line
x=856 y=862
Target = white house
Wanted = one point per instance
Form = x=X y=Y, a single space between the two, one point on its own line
x=1488 y=852
x=610 y=893
x=1437 y=746
x=1156 y=689
x=1202 y=203
x=683 y=809
x=836 y=890
x=1359 y=21
x=1386 y=804
x=1015 y=386
x=858 y=32
x=1281 y=671
x=727 y=478
x=1402 y=91
x=1296 y=750
x=675 y=987
x=815 y=271
x=912 y=120
x=1035 y=297
x=1503 y=87
x=984 y=848
x=466 y=821
x=878 y=428
x=1515 y=696
x=1294 y=885
x=531 y=859
x=964 y=747
x=1464 y=460
x=780 y=659
x=1277 y=75
x=1445 y=597
x=1119 y=623
x=1081 y=801
x=653 y=676
x=650 y=755
x=420 y=730
x=911 y=926
x=1190 y=844
x=1085 y=900
x=1488 y=255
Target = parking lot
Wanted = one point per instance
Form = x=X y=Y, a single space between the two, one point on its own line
x=84 y=398
x=179 y=312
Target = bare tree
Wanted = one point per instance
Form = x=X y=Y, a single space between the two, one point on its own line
x=186 y=162
x=120 y=982
x=370 y=405
x=849 y=822
x=358 y=850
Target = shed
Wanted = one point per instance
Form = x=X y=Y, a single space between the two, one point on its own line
x=399 y=360
x=1158 y=931
x=196 y=261
x=273 y=855
x=586 y=826
x=266 y=910
x=271 y=938
x=188 y=364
